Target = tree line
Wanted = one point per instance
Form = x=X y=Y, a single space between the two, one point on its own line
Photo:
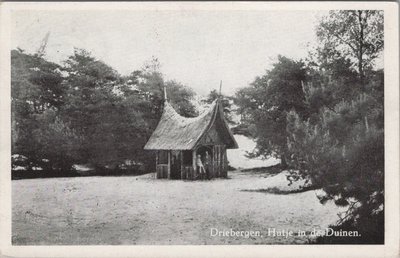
x=324 y=117
x=84 y=112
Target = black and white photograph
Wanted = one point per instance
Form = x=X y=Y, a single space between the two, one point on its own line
x=205 y=124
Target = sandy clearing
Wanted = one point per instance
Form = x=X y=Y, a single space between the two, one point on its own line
x=237 y=157
x=142 y=210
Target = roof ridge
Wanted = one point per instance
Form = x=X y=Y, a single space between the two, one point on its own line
x=177 y=132
x=186 y=120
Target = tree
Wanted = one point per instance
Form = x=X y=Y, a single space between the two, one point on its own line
x=36 y=82
x=356 y=34
x=113 y=116
x=226 y=103
x=89 y=106
x=246 y=103
x=342 y=152
x=181 y=98
x=58 y=142
x=340 y=145
x=36 y=87
x=268 y=99
x=150 y=84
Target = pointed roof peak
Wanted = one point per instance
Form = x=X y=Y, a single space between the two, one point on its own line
x=165 y=94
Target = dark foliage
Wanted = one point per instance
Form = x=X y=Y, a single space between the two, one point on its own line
x=226 y=103
x=370 y=231
x=84 y=112
x=325 y=119
x=266 y=102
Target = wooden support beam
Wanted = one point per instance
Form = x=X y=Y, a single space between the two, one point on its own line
x=157 y=175
x=215 y=161
x=221 y=166
x=219 y=160
x=169 y=164
x=225 y=162
x=182 y=167
x=194 y=164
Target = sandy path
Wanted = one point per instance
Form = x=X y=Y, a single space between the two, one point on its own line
x=142 y=210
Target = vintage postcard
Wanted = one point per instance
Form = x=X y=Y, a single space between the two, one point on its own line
x=199 y=129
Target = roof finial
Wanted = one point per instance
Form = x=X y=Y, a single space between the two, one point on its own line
x=165 y=94
x=220 y=87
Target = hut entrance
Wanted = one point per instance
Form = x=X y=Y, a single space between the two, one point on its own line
x=206 y=153
x=175 y=165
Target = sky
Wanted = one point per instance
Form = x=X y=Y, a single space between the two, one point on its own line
x=198 y=48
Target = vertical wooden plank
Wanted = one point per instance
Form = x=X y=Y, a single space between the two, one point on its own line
x=210 y=164
x=216 y=160
x=219 y=160
x=157 y=176
x=169 y=164
x=221 y=171
x=194 y=174
x=156 y=158
x=212 y=161
x=215 y=163
x=214 y=174
x=225 y=162
x=182 y=167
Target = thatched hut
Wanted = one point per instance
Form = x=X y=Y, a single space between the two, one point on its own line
x=179 y=140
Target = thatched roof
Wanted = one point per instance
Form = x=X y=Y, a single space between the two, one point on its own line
x=175 y=132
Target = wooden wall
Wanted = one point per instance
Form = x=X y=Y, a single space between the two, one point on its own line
x=218 y=166
x=162 y=171
x=163 y=167
x=187 y=172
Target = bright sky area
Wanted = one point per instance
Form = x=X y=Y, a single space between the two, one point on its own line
x=196 y=48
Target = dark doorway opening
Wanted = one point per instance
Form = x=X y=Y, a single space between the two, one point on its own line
x=175 y=165
x=206 y=153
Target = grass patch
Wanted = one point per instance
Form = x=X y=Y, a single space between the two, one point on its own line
x=271 y=170
x=276 y=190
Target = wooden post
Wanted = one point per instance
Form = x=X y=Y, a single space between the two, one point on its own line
x=157 y=175
x=219 y=160
x=169 y=164
x=194 y=164
x=215 y=161
x=165 y=94
x=220 y=88
x=225 y=162
x=182 y=167
x=221 y=166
